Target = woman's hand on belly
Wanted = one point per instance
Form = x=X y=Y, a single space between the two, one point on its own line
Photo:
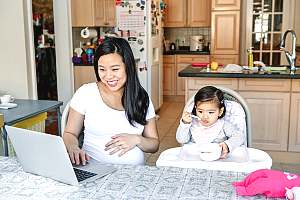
x=123 y=142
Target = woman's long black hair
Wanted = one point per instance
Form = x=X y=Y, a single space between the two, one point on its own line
x=135 y=99
x=210 y=93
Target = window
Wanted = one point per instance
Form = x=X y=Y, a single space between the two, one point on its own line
x=268 y=20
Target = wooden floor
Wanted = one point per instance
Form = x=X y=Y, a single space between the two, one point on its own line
x=169 y=116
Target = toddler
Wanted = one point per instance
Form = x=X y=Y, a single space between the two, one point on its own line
x=206 y=124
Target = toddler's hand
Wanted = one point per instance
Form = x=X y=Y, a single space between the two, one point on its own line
x=289 y=194
x=186 y=117
x=224 y=149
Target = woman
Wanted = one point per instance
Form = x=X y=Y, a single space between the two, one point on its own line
x=117 y=113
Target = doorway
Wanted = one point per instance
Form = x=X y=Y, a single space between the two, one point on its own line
x=44 y=43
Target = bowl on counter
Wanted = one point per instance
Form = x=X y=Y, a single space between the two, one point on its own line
x=209 y=152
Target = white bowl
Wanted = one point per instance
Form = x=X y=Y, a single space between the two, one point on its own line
x=210 y=152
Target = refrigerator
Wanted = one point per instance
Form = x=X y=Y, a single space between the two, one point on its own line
x=140 y=23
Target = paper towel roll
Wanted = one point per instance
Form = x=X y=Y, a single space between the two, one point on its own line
x=88 y=33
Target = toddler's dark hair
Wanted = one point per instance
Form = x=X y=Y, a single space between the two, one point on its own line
x=210 y=93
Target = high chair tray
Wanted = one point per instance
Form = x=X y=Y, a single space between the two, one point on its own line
x=242 y=159
x=189 y=152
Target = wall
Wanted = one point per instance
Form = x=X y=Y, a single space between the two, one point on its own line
x=173 y=33
x=16 y=58
x=63 y=50
x=296 y=20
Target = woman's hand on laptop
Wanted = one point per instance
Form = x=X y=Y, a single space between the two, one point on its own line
x=78 y=154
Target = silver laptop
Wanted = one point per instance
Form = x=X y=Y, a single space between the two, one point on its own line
x=46 y=155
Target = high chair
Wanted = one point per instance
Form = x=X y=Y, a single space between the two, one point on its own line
x=242 y=159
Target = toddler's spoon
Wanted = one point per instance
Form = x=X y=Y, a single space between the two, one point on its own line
x=198 y=118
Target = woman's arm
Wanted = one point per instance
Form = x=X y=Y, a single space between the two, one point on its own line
x=149 y=142
x=70 y=137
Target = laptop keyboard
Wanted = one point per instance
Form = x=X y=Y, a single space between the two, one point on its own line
x=82 y=175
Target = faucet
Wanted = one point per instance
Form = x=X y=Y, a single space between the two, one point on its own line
x=290 y=58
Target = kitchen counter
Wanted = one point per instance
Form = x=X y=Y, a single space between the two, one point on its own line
x=173 y=52
x=92 y=64
x=202 y=72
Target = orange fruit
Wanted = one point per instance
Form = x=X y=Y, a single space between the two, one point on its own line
x=214 y=65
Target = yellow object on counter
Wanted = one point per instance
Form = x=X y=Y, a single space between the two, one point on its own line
x=250 y=58
x=214 y=65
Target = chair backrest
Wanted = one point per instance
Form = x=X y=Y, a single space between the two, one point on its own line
x=231 y=95
x=64 y=120
x=64 y=117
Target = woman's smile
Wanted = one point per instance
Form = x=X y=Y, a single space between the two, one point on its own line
x=112 y=83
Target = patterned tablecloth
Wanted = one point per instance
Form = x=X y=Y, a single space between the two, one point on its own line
x=128 y=182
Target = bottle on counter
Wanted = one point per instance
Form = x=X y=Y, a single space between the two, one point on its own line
x=177 y=44
x=89 y=54
x=250 y=58
x=207 y=68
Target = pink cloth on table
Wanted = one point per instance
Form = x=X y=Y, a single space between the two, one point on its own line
x=269 y=182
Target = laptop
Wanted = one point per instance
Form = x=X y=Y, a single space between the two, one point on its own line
x=46 y=155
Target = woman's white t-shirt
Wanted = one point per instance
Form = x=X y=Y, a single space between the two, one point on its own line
x=101 y=122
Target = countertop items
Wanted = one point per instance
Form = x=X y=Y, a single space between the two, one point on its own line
x=173 y=52
x=190 y=71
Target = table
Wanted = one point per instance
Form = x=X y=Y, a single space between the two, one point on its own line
x=128 y=182
x=25 y=110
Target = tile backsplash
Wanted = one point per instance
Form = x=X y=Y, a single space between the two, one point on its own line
x=172 y=34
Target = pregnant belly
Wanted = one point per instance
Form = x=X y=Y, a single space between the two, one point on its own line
x=133 y=157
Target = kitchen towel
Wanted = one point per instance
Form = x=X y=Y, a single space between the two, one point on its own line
x=88 y=33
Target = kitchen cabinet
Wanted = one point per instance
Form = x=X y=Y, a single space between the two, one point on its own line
x=225 y=19
x=169 y=75
x=225 y=59
x=83 y=75
x=269 y=103
x=182 y=61
x=270 y=119
x=93 y=13
x=195 y=83
x=225 y=31
x=199 y=13
x=187 y=13
x=294 y=136
x=226 y=4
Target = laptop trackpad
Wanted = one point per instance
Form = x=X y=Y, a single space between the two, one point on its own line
x=97 y=168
